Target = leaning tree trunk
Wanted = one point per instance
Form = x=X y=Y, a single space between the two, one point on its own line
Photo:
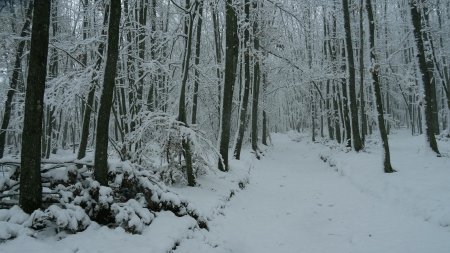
x=30 y=177
x=426 y=78
x=106 y=99
x=231 y=57
x=14 y=78
x=356 y=139
x=91 y=94
x=375 y=68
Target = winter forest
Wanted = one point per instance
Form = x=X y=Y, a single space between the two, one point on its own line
x=224 y=126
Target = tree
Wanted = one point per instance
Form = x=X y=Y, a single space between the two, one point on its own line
x=106 y=99
x=246 y=90
x=15 y=78
x=426 y=77
x=231 y=57
x=198 y=37
x=182 y=114
x=30 y=176
x=356 y=139
x=94 y=82
x=375 y=71
x=256 y=80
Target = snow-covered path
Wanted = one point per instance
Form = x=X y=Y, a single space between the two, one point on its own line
x=296 y=203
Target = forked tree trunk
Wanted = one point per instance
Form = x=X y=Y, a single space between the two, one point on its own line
x=356 y=139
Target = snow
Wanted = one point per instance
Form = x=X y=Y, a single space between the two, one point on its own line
x=298 y=203
x=293 y=201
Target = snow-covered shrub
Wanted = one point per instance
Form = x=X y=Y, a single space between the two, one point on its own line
x=159 y=139
x=69 y=218
x=132 y=216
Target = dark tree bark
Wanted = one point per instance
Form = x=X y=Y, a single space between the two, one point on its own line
x=106 y=99
x=337 y=125
x=244 y=102
x=375 y=68
x=345 y=114
x=361 y=74
x=265 y=130
x=356 y=139
x=256 y=81
x=182 y=114
x=91 y=95
x=426 y=77
x=15 y=78
x=198 y=37
x=218 y=50
x=30 y=177
x=431 y=64
x=231 y=57
x=142 y=20
x=54 y=66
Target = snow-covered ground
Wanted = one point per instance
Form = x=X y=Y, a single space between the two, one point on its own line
x=295 y=202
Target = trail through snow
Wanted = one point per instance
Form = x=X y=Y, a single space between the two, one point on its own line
x=296 y=203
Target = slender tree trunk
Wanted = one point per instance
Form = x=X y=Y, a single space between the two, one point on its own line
x=356 y=140
x=256 y=81
x=426 y=77
x=231 y=57
x=244 y=102
x=106 y=99
x=265 y=130
x=91 y=94
x=361 y=74
x=375 y=68
x=198 y=38
x=337 y=125
x=182 y=117
x=30 y=177
x=218 y=47
x=345 y=114
x=15 y=78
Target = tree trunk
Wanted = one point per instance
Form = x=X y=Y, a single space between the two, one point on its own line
x=256 y=81
x=231 y=57
x=106 y=99
x=356 y=140
x=426 y=77
x=91 y=95
x=198 y=38
x=182 y=117
x=244 y=102
x=30 y=177
x=361 y=75
x=345 y=111
x=377 y=90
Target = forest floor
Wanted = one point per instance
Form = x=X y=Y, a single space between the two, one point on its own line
x=300 y=197
x=297 y=203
